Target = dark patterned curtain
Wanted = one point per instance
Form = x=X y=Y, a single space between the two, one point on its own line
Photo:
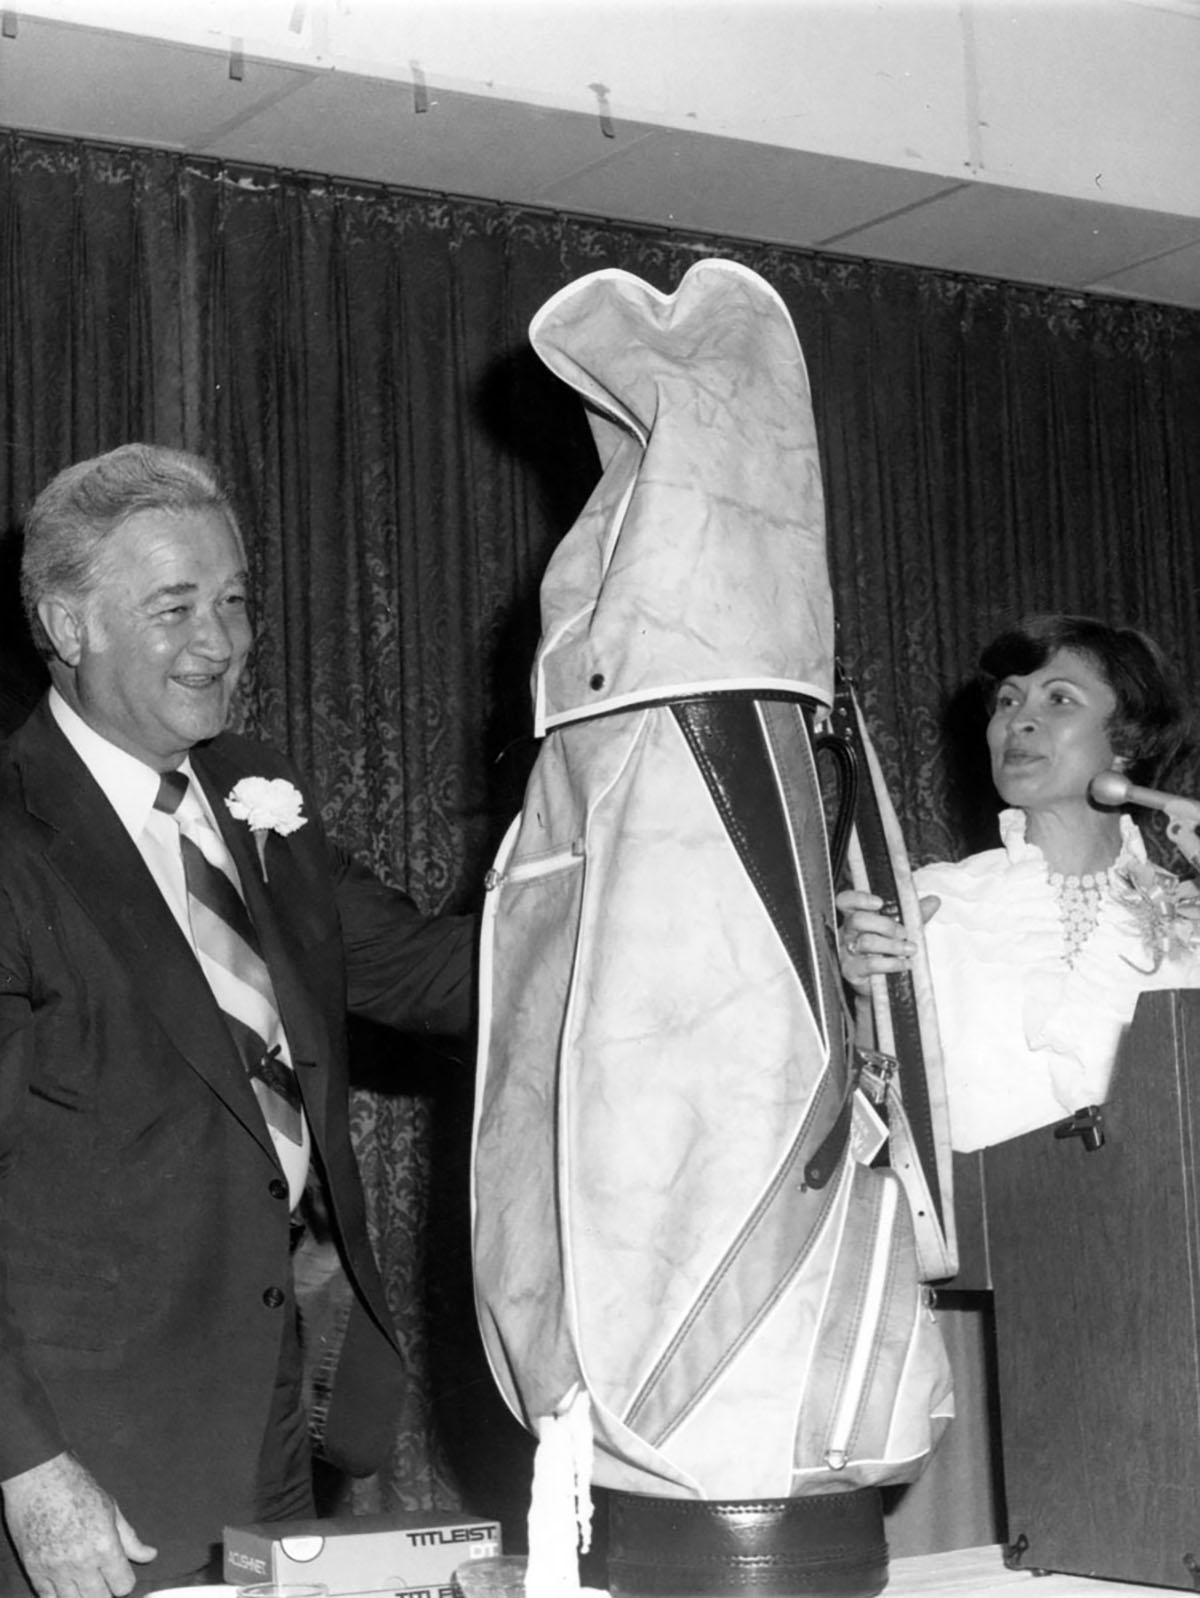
x=355 y=360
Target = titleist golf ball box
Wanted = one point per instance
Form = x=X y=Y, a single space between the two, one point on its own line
x=357 y=1555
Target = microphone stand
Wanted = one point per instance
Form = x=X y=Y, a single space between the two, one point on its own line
x=1183 y=815
x=1184 y=818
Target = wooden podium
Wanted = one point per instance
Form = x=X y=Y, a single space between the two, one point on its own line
x=1095 y=1261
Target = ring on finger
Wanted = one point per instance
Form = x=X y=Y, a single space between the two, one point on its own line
x=852 y=943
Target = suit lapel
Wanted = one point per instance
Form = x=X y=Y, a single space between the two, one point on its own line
x=307 y=1034
x=100 y=865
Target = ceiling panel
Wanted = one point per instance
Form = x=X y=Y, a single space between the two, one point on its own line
x=1039 y=238
x=1173 y=279
x=464 y=144
x=88 y=83
x=740 y=189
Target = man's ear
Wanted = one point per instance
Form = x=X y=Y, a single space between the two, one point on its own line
x=64 y=624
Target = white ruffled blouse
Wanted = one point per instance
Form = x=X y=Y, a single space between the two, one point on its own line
x=1027 y=1038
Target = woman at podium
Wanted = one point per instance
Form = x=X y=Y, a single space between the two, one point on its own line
x=1038 y=951
x=1039 y=948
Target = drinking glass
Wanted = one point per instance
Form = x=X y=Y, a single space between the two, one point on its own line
x=497 y=1576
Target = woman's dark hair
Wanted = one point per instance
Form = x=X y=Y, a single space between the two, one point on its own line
x=1150 y=725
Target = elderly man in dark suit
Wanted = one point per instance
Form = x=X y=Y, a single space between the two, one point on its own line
x=177 y=959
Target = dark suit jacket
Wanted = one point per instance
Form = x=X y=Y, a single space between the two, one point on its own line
x=144 y=1258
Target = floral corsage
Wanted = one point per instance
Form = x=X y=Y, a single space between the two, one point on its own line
x=267 y=804
x=1163 y=908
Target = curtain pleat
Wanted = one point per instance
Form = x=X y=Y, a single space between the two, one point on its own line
x=355 y=359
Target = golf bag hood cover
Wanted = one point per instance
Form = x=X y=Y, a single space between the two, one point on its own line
x=670 y=1214
x=699 y=561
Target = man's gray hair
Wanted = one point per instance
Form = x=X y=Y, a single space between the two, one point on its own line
x=77 y=511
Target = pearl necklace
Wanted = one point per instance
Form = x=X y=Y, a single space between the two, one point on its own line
x=1079 y=900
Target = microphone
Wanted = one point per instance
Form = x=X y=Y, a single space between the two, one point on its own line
x=1111 y=788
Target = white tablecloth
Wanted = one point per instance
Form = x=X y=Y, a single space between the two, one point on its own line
x=976 y=1572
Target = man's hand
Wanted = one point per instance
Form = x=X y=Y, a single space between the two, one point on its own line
x=72 y=1539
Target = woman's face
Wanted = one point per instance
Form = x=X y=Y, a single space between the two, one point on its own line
x=1047 y=735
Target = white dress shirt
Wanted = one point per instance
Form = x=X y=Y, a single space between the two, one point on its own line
x=131 y=787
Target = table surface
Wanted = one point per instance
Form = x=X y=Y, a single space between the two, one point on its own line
x=961 y=1573
x=979 y=1571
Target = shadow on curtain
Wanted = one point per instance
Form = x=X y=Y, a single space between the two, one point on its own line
x=355 y=360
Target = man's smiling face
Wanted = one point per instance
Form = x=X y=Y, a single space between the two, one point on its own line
x=161 y=640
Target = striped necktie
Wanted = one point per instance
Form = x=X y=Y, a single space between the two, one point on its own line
x=232 y=961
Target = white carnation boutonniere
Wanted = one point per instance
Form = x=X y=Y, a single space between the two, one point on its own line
x=1163 y=908
x=267 y=804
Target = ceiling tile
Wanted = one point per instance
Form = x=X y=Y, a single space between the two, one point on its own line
x=1038 y=238
x=741 y=189
x=463 y=144
x=84 y=82
x=1174 y=279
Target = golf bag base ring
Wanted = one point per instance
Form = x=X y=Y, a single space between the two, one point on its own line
x=830 y=1545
